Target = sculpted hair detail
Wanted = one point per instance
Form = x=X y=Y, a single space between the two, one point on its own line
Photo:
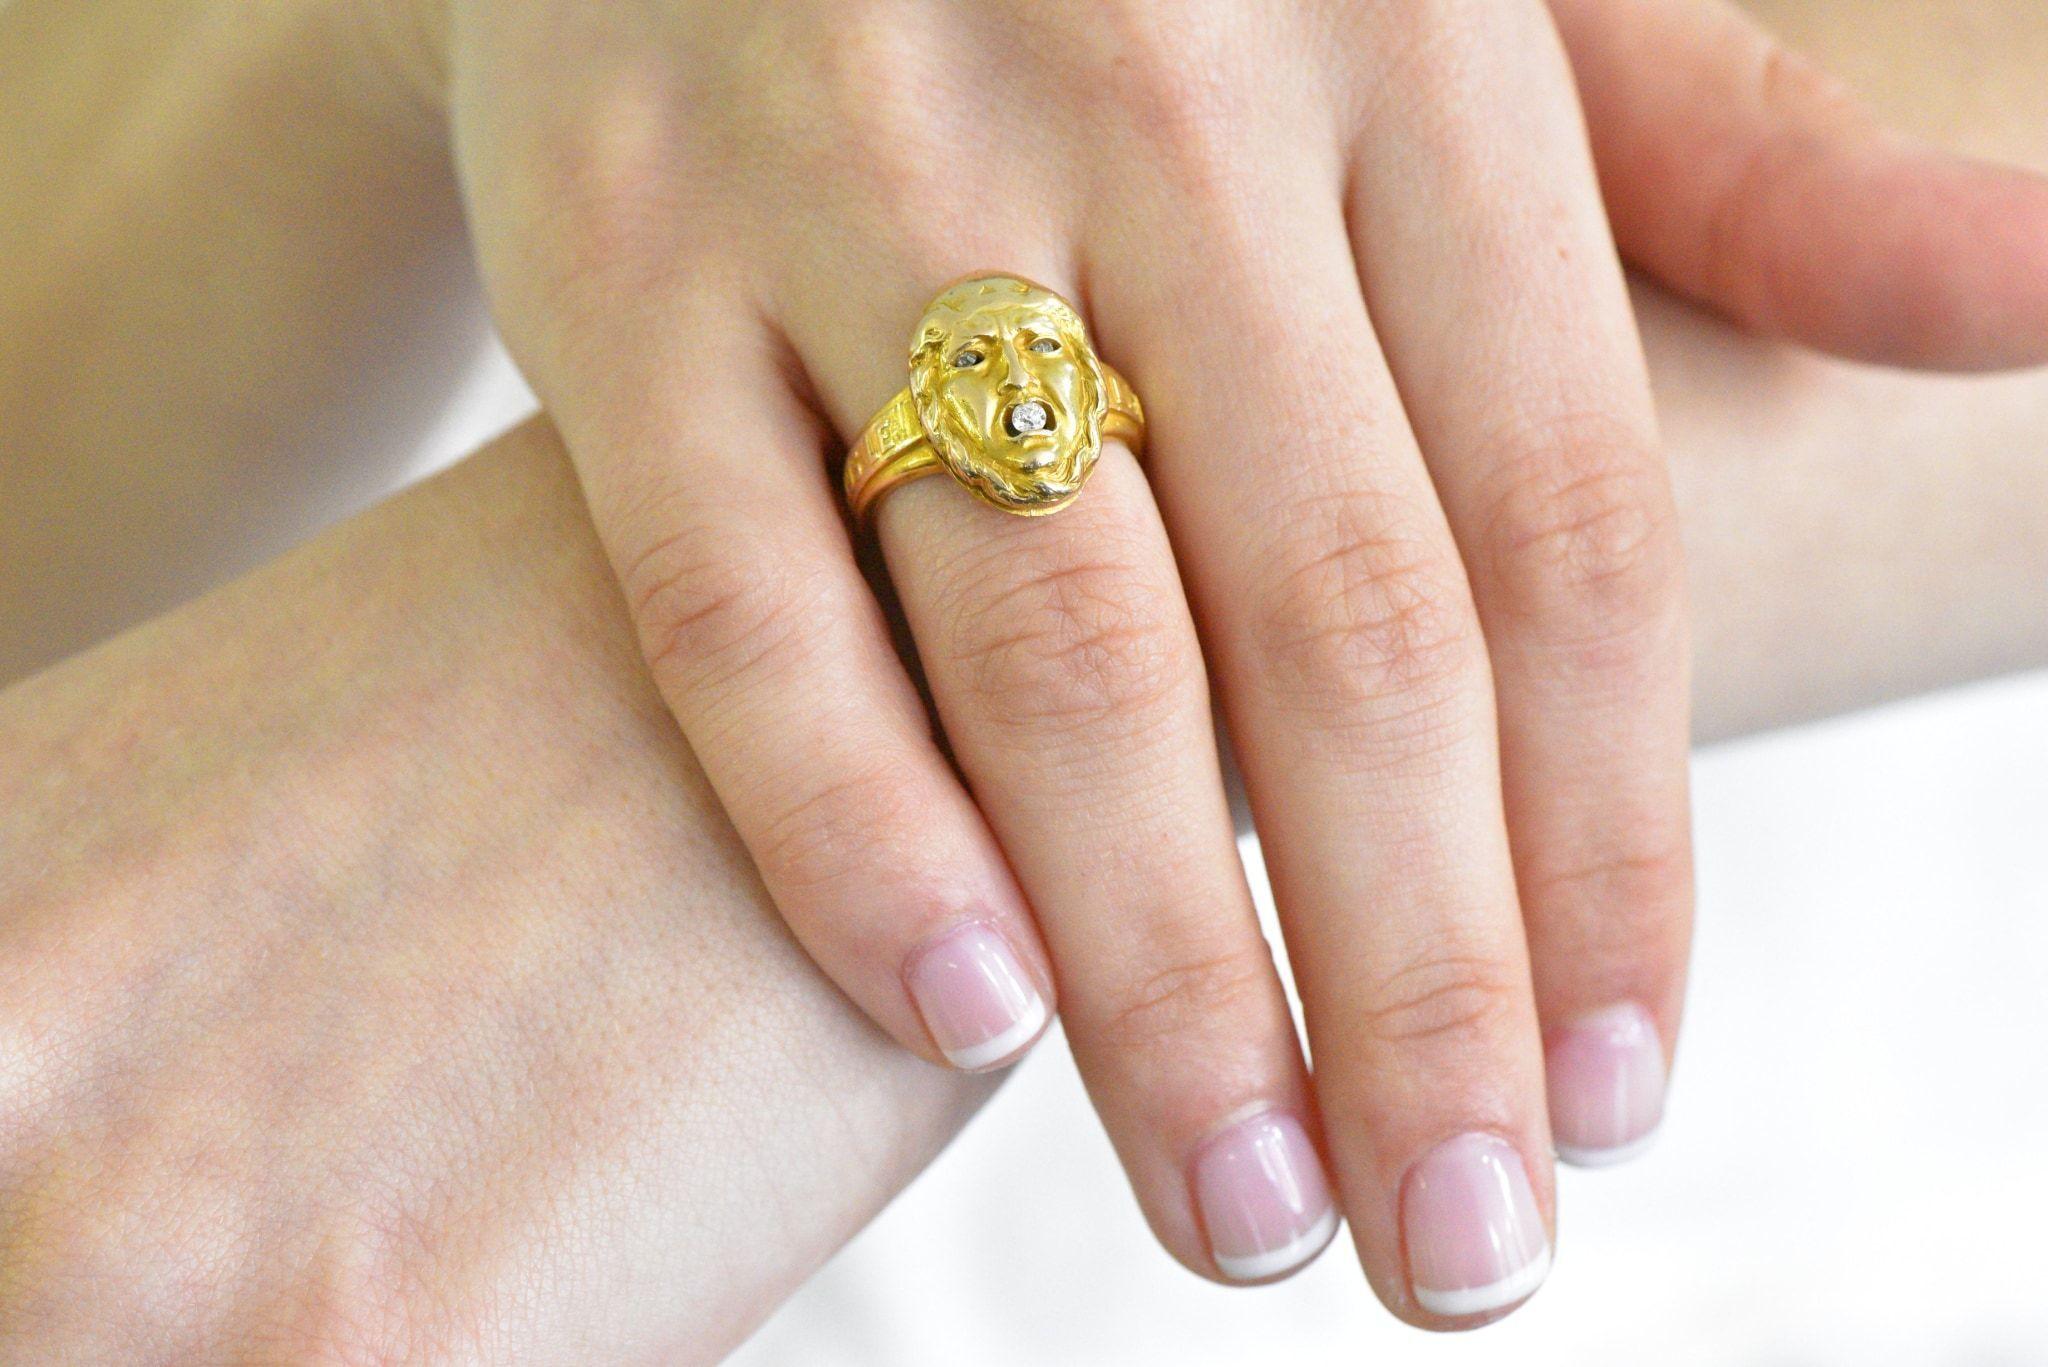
x=1008 y=391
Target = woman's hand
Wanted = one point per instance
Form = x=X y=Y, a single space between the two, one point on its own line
x=1403 y=477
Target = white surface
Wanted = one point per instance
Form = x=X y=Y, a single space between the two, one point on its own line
x=1853 y=1169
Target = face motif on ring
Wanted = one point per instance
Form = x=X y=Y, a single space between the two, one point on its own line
x=1008 y=391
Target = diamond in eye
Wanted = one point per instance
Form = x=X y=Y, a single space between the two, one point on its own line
x=1028 y=417
x=1045 y=346
x=967 y=359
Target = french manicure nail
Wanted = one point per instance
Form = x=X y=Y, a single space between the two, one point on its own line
x=1476 y=1241
x=1263 y=1198
x=1605 y=1074
x=977 y=1000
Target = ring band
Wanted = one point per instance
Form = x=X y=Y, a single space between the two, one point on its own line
x=1006 y=394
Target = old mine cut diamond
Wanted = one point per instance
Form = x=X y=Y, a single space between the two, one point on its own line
x=1028 y=417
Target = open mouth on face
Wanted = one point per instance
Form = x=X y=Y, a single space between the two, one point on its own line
x=1028 y=418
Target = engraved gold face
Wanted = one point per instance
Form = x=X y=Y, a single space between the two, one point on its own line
x=1009 y=392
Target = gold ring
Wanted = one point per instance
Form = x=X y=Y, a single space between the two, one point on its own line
x=1006 y=395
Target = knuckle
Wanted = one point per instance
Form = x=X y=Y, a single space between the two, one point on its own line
x=860 y=119
x=1424 y=45
x=1616 y=913
x=614 y=223
x=1582 y=543
x=872 y=50
x=1089 y=641
x=1203 y=989
x=1794 y=84
x=611 y=211
x=1363 y=620
x=1441 y=998
x=710 y=612
x=870 y=818
x=1175 y=81
x=1439 y=68
x=1646 y=875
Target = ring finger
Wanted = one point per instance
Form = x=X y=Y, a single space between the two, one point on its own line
x=1065 y=669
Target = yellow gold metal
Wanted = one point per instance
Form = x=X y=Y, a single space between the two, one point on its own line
x=1006 y=395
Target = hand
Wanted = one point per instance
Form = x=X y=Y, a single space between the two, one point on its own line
x=1403 y=474
x=466 y=629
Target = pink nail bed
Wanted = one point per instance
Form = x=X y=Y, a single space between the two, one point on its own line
x=1476 y=1241
x=976 y=998
x=1605 y=1074
x=1264 y=1201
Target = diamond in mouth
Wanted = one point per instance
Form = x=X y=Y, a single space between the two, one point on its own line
x=1028 y=418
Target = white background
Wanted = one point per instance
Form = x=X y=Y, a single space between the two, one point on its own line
x=1853 y=1167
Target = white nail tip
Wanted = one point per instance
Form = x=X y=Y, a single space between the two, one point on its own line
x=999 y=1047
x=1477 y=1300
x=1254 y=1267
x=1605 y=1158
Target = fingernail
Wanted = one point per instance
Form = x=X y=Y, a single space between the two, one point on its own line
x=976 y=999
x=1476 y=1241
x=1263 y=1198
x=1606 y=1079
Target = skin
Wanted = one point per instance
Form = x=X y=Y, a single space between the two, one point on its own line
x=207 y=429
x=470 y=626
x=382 y=984
x=1406 y=521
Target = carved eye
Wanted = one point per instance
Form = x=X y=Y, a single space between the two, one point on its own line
x=1046 y=346
x=966 y=359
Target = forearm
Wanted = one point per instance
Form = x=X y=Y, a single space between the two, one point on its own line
x=444 y=883
x=1853 y=535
